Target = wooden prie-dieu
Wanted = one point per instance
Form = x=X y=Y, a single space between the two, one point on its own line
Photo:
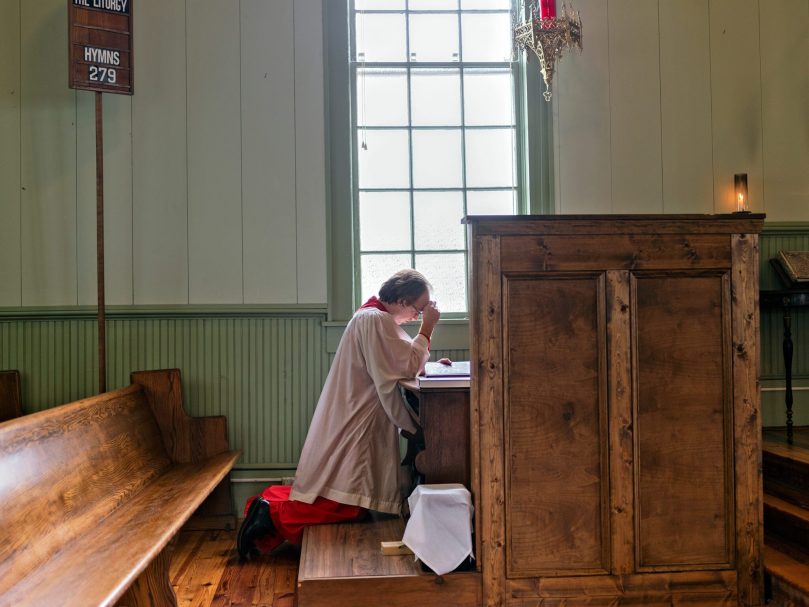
x=615 y=431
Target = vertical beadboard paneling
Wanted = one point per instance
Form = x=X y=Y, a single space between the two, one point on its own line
x=310 y=161
x=214 y=153
x=634 y=53
x=11 y=342
x=685 y=106
x=264 y=373
x=582 y=87
x=736 y=100
x=268 y=151
x=785 y=102
x=48 y=158
x=159 y=155
x=10 y=292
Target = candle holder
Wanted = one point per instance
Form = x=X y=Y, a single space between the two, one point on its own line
x=548 y=37
x=740 y=191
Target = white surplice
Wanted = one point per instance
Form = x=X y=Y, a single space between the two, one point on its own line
x=351 y=453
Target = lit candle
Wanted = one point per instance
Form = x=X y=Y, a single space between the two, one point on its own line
x=547 y=9
x=740 y=188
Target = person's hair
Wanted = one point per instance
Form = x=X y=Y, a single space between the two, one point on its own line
x=405 y=286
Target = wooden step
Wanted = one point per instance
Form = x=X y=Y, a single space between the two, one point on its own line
x=786 y=467
x=787 y=521
x=343 y=565
x=788 y=577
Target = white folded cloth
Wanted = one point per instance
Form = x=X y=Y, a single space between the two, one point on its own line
x=439 y=531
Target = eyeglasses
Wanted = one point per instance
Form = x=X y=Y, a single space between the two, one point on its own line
x=416 y=310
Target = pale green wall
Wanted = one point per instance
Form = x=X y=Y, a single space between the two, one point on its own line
x=214 y=169
x=670 y=98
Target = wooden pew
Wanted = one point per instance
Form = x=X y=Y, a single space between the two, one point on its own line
x=10 y=395
x=95 y=491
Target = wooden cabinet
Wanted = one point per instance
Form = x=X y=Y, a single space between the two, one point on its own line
x=615 y=409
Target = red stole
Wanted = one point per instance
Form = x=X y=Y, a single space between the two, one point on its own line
x=373 y=303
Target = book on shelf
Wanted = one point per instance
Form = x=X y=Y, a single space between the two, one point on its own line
x=793 y=267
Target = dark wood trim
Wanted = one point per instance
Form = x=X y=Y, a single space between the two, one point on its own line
x=616 y=224
x=10 y=395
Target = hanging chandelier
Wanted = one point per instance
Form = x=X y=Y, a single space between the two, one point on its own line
x=548 y=35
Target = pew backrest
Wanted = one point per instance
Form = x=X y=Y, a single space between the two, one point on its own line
x=64 y=470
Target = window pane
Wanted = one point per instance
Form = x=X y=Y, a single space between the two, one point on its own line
x=384 y=221
x=491 y=202
x=485 y=4
x=381 y=37
x=379 y=5
x=376 y=269
x=487 y=97
x=385 y=163
x=381 y=97
x=486 y=37
x=447 y=273
x=437 y=159
x=434 y=37
x=436 y=97
x=433 y=5
x=490 y=158
x=438 y=220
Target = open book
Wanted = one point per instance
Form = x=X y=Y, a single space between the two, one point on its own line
x=456 y=369
x=438 y=375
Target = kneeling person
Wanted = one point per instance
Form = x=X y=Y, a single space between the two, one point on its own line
x=350 y=460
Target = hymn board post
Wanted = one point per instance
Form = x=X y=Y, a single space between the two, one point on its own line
x=100 y=40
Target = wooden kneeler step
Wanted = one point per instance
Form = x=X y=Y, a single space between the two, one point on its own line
x=342 y=565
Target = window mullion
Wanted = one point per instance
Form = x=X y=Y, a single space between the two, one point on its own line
x=410 y=136
x=463 y=154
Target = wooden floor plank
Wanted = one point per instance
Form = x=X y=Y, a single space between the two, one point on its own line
x=189 y=543
x=237 y=586
x=204 y=573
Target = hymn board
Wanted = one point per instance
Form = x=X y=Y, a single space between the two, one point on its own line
x=100 y=51
x=101 y=45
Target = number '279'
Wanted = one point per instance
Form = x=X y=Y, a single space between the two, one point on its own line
x=103 y=74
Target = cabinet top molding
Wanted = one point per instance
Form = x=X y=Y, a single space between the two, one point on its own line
x=741 y=223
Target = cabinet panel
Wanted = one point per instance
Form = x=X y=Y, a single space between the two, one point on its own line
x=555 y=416
x=684 y=463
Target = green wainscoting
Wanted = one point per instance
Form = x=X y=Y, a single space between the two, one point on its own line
x=262 y=369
